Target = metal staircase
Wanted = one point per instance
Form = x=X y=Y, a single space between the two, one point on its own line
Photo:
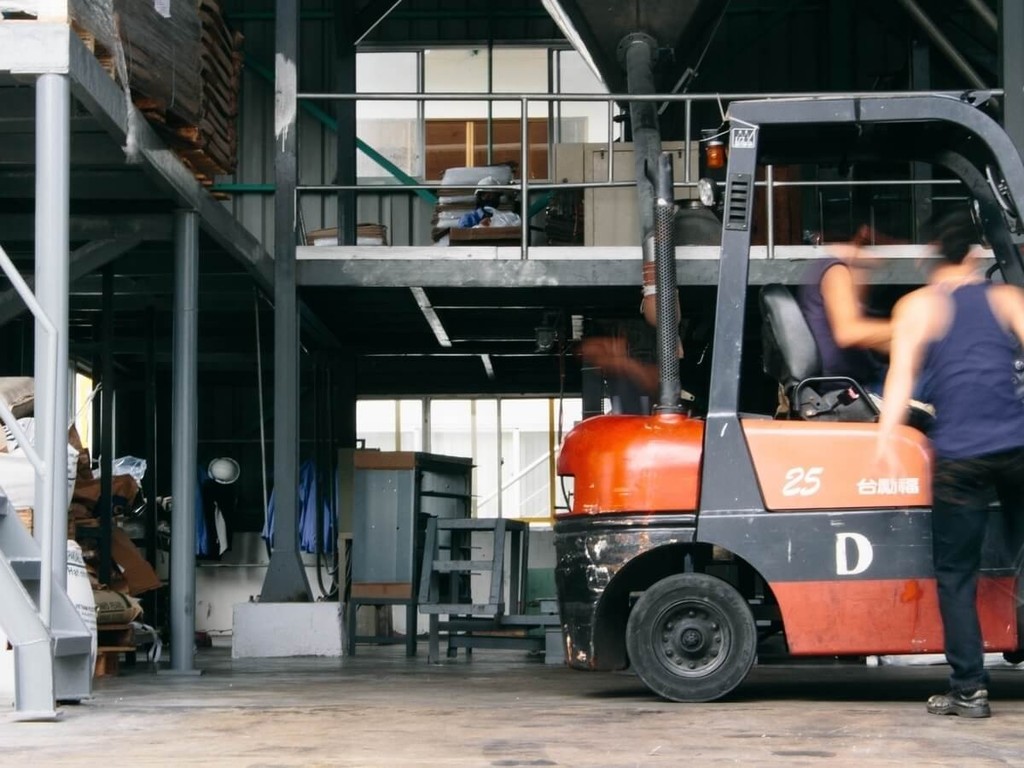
x=51 y=664
x=53 y=659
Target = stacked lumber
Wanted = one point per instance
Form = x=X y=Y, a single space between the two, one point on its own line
x=183 y=67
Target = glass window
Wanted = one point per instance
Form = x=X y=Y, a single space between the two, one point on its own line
x=457 y=131
x=390 y=127
x=83 y=407
x=579 y=121
x=390 y=425
x=410 y=426
x=526 y=450
x=375 y=424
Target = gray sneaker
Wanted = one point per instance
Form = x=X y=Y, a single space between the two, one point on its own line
x=974 y=704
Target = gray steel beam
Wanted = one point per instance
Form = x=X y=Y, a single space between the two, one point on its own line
x=286 y=578
x=920 y=80
x=84 y=260
x=108 y=382
x=103 y=184
x=101 y=96
x=184 y=432
x=1011 y=65
x=95 y=149
x=981 y=8
x=16 y=227
x=345 y=67
x=98 y=93
x=368 y=18
x=550 y=273
x=942 y=43
x=53 y=203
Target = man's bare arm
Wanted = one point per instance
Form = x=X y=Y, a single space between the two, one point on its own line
x=913 y=320
x=850 y=327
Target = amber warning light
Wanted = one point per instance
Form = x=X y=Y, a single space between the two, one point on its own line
x=714 y=153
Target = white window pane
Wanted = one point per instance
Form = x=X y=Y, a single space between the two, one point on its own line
x=485 y=472
x=375 y=424
x=455 y=70
x=390 y=127
x=580 y=121
x=411 y=414
x=520 y=70
x=525 y=445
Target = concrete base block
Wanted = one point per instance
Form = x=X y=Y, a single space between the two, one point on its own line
x=262 y=630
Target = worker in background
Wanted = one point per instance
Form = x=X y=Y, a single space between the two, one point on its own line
x=959 y=330
x=831 y=298
x=486 y=201
x=629 y=370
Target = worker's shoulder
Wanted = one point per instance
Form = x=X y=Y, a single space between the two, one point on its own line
x=1006 y=292
x=920 y=298
x=1007 y=300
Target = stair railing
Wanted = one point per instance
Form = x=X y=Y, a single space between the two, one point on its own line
x=44 y=468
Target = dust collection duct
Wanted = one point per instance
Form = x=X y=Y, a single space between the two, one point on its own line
x=623 y=41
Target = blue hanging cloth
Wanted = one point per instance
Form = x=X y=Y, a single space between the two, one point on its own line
x=268 y=523
x=202 y=539
x=307 y=514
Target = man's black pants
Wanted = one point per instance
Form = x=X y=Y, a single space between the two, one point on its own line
x=962 y=490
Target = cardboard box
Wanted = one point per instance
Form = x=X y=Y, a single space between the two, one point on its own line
x=139 y=576
x=485 y=236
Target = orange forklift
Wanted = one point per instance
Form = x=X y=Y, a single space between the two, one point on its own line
x=691 y=542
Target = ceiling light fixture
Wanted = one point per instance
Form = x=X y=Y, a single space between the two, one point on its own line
x=488 y=367
x=561 y=18
x=431 y=316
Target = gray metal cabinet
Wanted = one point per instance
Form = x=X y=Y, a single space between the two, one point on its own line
x=395 y=493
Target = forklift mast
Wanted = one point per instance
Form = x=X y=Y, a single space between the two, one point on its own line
x=968 y=143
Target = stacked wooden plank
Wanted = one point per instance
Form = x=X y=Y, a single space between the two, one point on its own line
x=183 y=66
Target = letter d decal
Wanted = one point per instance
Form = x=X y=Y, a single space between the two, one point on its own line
x=865 y=554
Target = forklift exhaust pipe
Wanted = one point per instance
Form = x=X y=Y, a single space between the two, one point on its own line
x=665 y=295
x=637 y=53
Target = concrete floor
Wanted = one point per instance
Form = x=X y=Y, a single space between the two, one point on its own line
x=503 y=709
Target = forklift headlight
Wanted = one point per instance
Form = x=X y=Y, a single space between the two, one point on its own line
x=706 y=192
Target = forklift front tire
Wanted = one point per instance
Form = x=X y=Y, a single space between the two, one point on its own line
x=691 y=637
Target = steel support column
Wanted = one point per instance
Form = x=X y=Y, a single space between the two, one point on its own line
x=345 y=27
x=920 y=80
x=286 y=579
x=183 y=437
x=106 y=423
x=1011 y=65
x=53 y=202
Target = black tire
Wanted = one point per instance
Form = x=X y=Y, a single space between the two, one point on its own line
x=691 y=637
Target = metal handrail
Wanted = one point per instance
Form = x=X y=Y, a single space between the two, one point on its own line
x=524 y=185
x=659 y=97
x=42 y=467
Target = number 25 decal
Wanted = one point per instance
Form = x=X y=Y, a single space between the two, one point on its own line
x=802 y=482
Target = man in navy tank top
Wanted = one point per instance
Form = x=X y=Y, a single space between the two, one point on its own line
x=961 y=332
x=829 y=297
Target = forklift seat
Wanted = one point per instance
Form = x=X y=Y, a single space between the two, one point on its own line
x=791 y=357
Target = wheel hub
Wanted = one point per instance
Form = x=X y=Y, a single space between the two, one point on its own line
x=692 y=639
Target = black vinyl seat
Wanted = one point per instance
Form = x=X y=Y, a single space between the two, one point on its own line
x=791 y=357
